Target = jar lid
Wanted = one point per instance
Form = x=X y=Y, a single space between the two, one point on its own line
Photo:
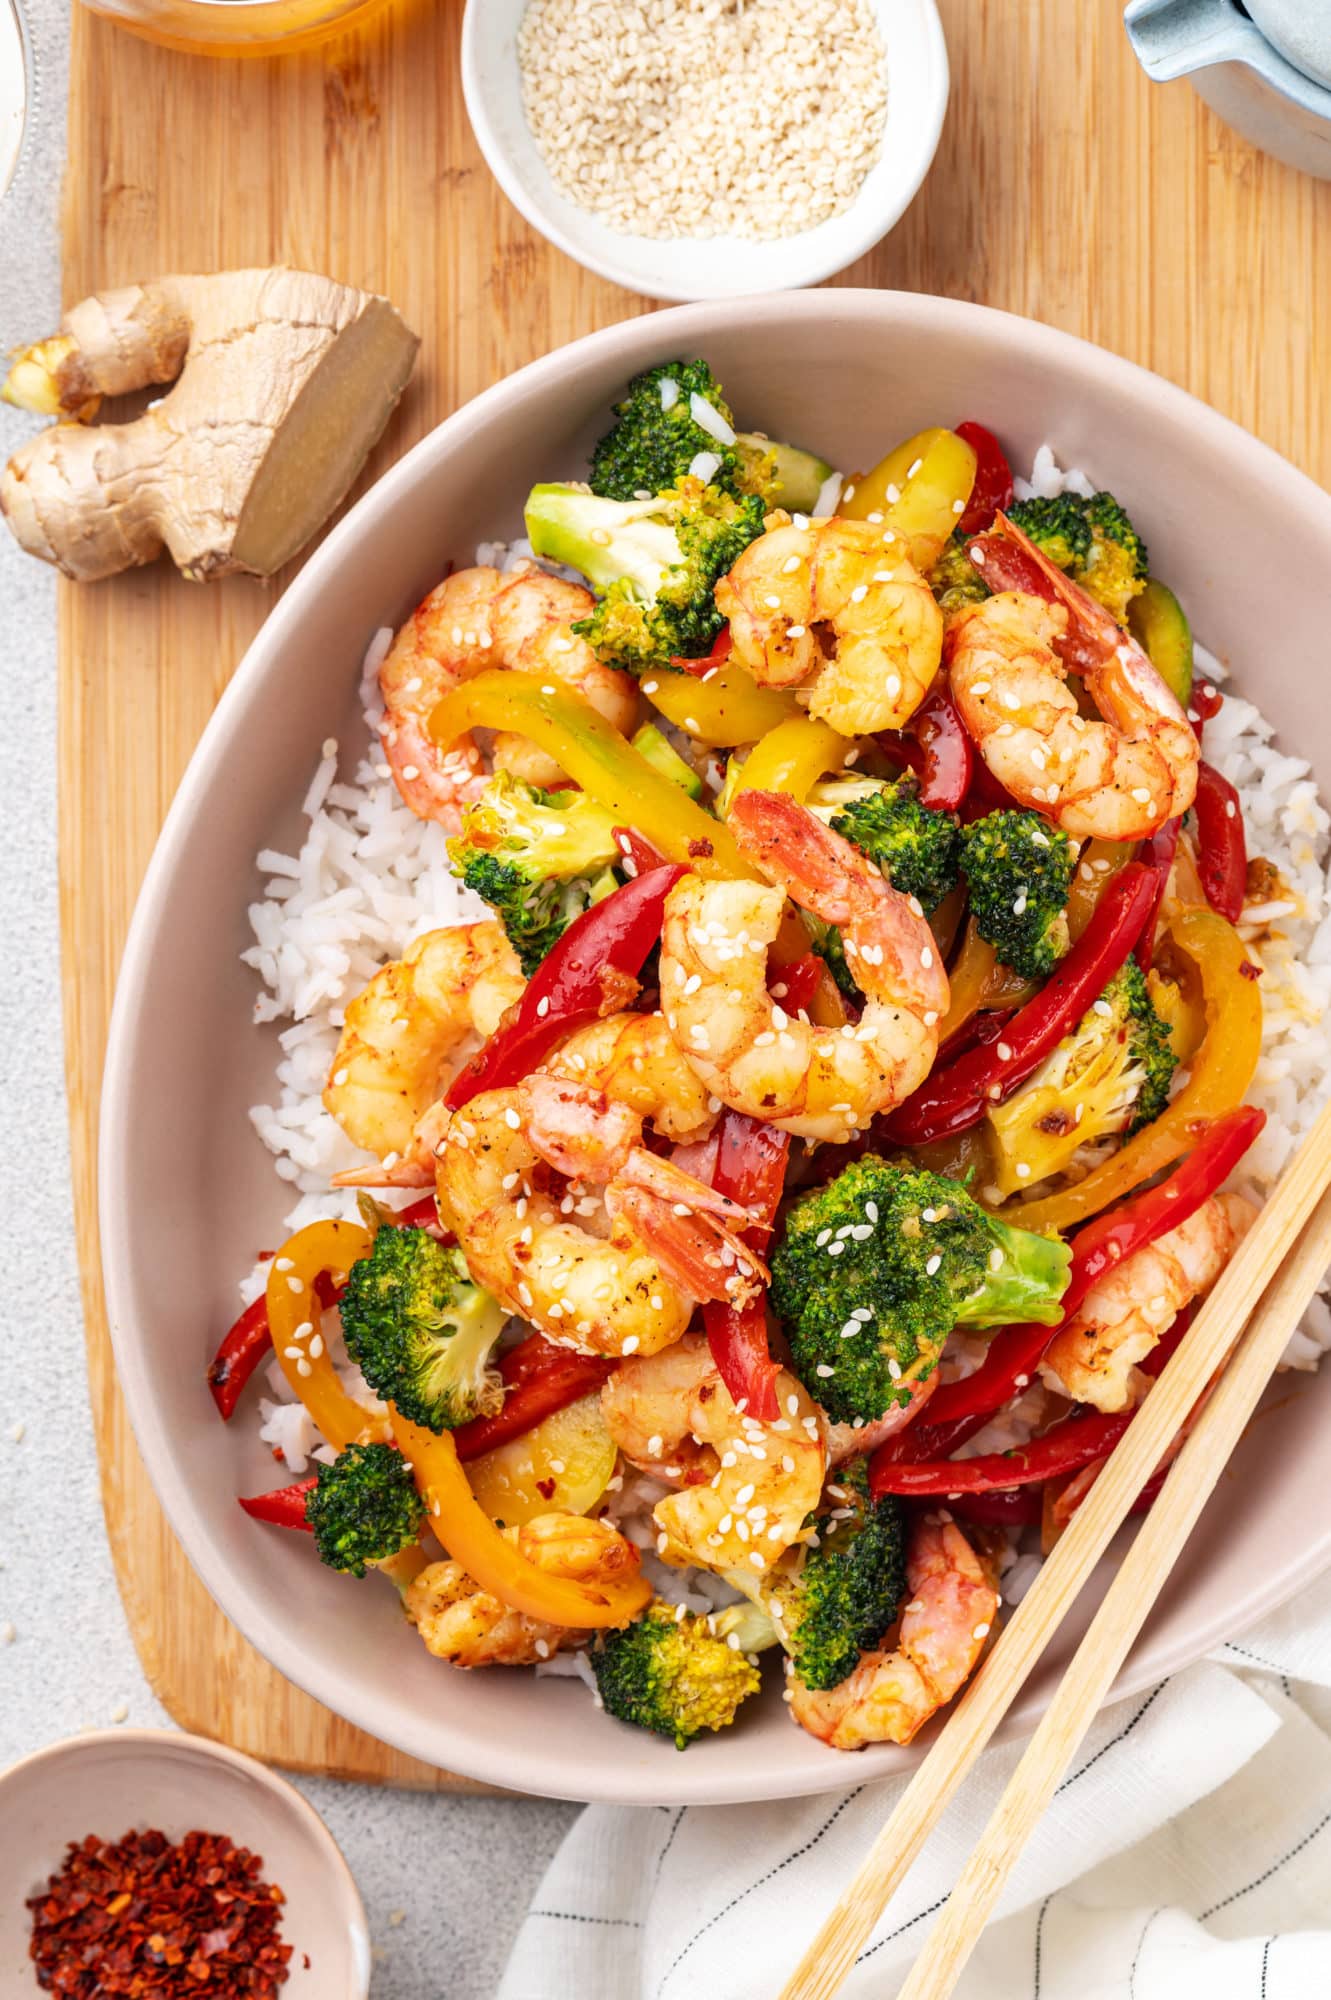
x=1300 y=30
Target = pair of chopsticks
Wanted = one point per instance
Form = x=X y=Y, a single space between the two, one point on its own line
x=1266 y=1286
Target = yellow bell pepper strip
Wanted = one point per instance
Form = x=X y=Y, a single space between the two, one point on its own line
x=600 y=760
x=792 y=758
x=945 y=922
x=726 y=708
x=490 y=1559
x=978 y=981
x=919 y=492
x=1221 y=1072
x=1097 y=865
x=294 y=1314
x=967 y=1157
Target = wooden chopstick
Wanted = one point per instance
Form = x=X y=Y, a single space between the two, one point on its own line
x=1121 y=1616
x=1248 y=1277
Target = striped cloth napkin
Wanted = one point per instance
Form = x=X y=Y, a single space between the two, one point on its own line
x=1187 y=1856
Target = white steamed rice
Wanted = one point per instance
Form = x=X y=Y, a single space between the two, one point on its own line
x=370 y=877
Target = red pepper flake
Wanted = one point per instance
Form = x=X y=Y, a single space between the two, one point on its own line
x=144 y=1916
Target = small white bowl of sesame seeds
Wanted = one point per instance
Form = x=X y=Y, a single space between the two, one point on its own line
x=695 y=149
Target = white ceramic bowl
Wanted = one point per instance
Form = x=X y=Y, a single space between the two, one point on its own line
x=187 y=1191
x=110 y=1780
x=721 y=266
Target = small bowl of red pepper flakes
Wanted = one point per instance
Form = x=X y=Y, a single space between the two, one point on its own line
x=148 y=1864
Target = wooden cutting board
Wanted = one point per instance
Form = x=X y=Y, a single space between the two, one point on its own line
x=1066 y=187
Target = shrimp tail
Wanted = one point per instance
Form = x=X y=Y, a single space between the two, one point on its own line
x=410 y=1172
x=697 y=1252
x=673 y=1183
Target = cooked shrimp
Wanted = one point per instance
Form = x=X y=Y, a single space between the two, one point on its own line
x=669 y=1244
x=762 y=1480
x=406 y=1032
x=473 y=1628
x=1117 y=776
x=634 y=1059
x=820 y=1083
x=473 y=620
x=939 y=1638
x=831 y=605
x=1094 y=1358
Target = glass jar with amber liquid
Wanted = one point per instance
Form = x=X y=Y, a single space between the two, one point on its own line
x=237 y=27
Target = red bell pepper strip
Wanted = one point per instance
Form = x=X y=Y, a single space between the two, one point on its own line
x=245 y=1346
x=1222 y=850
x=977 y=1031
x=986 y=795
x=590 y=971
x=959 y=1409
x=284 y=1507
x=935 y=746
x=1019 y=1508
x=951 y=1100
x=640 y=857
x=539 y=1378
x=799 y=982
x=423 y=1214
x=1006 y=566
x=993 y=479
x=1077 y=1441
x=1205 y=701
x=750 y=1168
x=716 y=656
x=1157 y=854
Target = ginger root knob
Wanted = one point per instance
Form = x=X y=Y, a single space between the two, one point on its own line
x=283 y=380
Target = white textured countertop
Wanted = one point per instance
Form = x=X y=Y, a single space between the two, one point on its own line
x=445 y=1881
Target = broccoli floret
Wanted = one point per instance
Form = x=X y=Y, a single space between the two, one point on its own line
x=656 y=437
x=365 y=1507
x=421 y=1331
x=875 y=1270
x=841 y=1596
x=538 y=858
x=825 y=940
x=676 y=1677
x=655 y=564
x=1110 y=1075
x=917 y=847
x=1018 y=869
x=954 y=579
x=1093 y=540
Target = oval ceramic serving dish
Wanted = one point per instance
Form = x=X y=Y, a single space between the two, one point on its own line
x=188 y=1191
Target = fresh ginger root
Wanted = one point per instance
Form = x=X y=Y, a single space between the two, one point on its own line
x=283 y=382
